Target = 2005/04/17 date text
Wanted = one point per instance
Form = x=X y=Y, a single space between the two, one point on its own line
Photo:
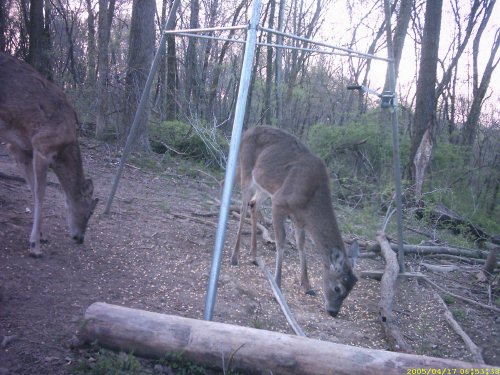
x=453 y=371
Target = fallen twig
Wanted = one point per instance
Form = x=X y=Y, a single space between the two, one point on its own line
x=281 y=300
x=473 y=348
x=493 y=308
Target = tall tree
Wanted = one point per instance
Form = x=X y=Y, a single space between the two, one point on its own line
x=269 y=68
x=39 y=37
x=106 y=12
x=140 y=57
x=91 y=45
x=160 y=94
x=3 y=20
x=191 y=59
x=425 y=97
x=400 y=32
x=172 y=77
x=480 y=87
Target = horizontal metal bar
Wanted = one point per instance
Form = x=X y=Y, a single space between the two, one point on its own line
x=212 y=37
x=321 y=51
x=206 y=29
x=347 y=50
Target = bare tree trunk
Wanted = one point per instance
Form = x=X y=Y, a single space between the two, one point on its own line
x=172 y=78
x=425 y=106
x=3 y=20
x=212 y=92
x=191 y=60
x=279 y=67
x=480 y=89
x=269 y=69
x=202 y=91
x=477 y=7
x=159 y=98
x=91 y=46
x=39 y=38
x=140 y=57
x=403 y=19
x=69 y=22
x=103 y=130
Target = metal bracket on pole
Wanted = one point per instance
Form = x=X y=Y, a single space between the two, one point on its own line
x=386 y=97
x=239 y=115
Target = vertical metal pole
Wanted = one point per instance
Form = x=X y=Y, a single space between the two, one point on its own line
x=391 y=71
x=239 y=115
x=142 y=104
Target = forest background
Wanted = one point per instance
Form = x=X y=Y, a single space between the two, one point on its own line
x=446 y=53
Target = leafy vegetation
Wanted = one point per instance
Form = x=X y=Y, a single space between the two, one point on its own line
x=100 y=361
x=196 y=142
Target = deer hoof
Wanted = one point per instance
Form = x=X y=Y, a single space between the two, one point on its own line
x=311 y=292
x=254 y=262
x=234 y=262
x=34 y=252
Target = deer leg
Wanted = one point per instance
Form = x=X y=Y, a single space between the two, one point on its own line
x=24 y=161
x=243 y=213
x=40 y=167
x=255 y=203
x=300 y=236
x=279 y=217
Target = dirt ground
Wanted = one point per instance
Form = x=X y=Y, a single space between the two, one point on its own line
x=153 y=252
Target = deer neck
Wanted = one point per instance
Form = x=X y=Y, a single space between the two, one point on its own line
x=68 y=168
x=324 y=230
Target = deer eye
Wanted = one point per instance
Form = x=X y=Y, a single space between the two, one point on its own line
x=337 y=289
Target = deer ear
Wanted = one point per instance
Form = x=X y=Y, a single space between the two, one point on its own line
x=87 y=187
x=353 y=253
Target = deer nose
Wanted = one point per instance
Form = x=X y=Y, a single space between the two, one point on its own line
x=78 y=239
x=332 y=312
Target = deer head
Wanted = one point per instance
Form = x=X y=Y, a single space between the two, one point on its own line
x=339 y=278
x=79 y=209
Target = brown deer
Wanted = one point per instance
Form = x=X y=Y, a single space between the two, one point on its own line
x=274 y=163
x=40 y=128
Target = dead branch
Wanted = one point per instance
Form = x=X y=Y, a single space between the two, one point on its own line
x=440 y=268
x=281 y=300
x=265 y=233
x=473 y=348
x=458 y=258
x=217 y=182
x=4 y=176
x=465 y=299
x=424 y=250
x=195 y=219
x=387 y=286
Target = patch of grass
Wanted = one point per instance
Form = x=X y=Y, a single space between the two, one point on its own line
x=363 y=222
x=180 y=366
x=459 y=314
x=448 y=299
x=165 y=207
x=257 y=324
x=105 y=362
x=145 y=162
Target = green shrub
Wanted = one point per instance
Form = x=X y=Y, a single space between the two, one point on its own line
x=359 y=155
x=199 y=143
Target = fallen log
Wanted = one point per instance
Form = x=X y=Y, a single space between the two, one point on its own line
x=387 y=286
x=251 y=350
x=424 y=250
x=445 y=218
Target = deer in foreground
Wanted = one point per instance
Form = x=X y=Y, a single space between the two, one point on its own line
x=273 y=163
x=40 y=128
